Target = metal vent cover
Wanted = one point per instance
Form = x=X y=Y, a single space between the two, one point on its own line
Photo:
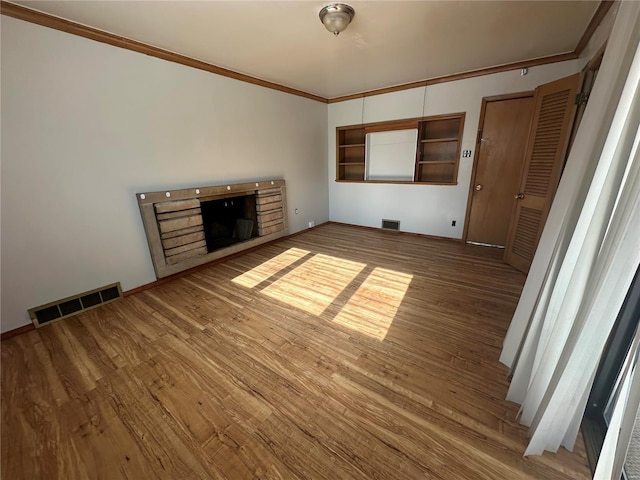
x=74 y=304
x=391 y=224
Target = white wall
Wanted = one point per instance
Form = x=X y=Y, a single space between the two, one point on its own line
x=85 y=126
x=426 y=209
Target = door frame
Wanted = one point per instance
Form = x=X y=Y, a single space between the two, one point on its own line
x=483 y=109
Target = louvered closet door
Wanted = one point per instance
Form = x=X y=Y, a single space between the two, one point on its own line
x=553 y=115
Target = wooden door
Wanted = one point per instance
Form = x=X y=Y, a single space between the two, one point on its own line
x=502 y=139
x=554 y=110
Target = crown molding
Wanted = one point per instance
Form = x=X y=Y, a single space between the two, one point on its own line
x=57 y=23
x=562 y=57
x=595 y=22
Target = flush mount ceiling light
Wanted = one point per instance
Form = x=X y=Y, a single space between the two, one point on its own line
x=336 y=17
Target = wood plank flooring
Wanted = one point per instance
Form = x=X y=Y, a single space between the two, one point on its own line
x=341 y=353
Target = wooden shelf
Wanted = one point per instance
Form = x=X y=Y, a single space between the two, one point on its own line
x=436 y=140
x=439 y=149
x=350 y=153
x=434 y=162
x=441 y=172
x=441 y=127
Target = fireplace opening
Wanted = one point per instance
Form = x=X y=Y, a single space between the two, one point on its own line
x=228 y=221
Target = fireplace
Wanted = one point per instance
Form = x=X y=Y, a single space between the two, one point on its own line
x=227 y=221
x=189 y=227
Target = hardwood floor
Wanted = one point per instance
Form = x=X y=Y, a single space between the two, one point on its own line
x=340 y=353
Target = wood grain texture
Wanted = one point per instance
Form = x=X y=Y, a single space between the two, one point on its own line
x=270 y=227
x=266 y=199
x=178 y=241
x=179 y=254
x=179 y=223
x=504 y=125
x=274 y=215
x=180 y=213
x=550 y=131
x=180 y=233
x=177 y=206
x=226 y=372
x=169 y=252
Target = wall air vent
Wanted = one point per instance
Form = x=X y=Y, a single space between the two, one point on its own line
x=391 y=224
x=75 y=304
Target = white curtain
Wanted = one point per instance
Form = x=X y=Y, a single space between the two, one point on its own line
x=588 y=253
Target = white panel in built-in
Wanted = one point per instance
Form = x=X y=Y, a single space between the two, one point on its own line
x=391 y=155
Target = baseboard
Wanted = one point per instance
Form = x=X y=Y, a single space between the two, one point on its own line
x=17 y=331
x=392 y=232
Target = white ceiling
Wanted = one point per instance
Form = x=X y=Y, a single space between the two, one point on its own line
x=389 y=42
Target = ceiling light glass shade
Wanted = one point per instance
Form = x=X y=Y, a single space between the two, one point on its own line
x=336 y=17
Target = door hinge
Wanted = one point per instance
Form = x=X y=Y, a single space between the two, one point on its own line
x=582 y=98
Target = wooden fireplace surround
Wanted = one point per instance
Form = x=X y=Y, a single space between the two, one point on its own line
x=174 y=226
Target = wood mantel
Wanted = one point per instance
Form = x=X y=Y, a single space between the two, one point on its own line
x=173 y=222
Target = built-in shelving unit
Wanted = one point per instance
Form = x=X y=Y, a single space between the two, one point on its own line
x=437 y=151
x=351 y=153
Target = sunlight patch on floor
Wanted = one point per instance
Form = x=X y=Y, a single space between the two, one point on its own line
x=372 y=308
x=266 y=270
x=315 y=284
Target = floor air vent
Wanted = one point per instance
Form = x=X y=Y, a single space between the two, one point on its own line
x=391 y=224
x=75 y=304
